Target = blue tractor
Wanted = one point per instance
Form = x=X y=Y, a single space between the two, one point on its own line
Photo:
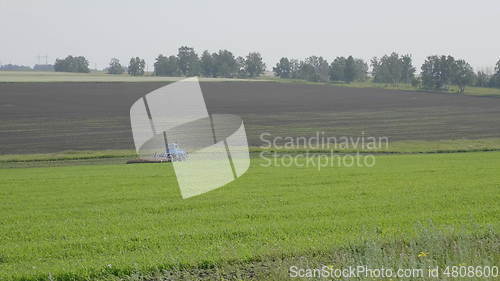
x=173 y=153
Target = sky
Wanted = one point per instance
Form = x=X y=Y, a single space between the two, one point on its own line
x=100 y=30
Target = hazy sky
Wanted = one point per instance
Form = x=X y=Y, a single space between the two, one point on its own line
x=103 y=29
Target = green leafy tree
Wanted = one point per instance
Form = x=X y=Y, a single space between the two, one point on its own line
x=307 y=72
x=225 y=64
x=463 y=75
x=437 y=72
x=407 y=69
x=322 y=69
x=482 y=79
x=166 y=66
x=361 y=70
x=253 y=64
x=207 y=64
x=72 y=64
x=189 y=63
x=416 y=82
x=115 y=67
x=136 y=66
x=283 y=68
x=294 y=68
x=393 y=69
x=495 y=78
x=350 y=70
x=314 y=69
x=337 y=68
x=440 y=71
x=242 y=72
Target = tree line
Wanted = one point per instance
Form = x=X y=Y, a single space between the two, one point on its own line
x=317 y=69
x=36 y=67
x=219 y=64
x=186 y=63
x=437 y=72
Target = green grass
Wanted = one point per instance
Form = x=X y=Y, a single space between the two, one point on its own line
x=40 y=76
x=449 y=248
x=441 y=146
x=472 y=91
x=404 y=147
x=98 y=221
x=68 y=155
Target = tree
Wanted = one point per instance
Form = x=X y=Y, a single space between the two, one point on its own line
x=495 y=78
x=166 y=66
x=393 y=69
x=437 y=72
x=72 y=64
x=416 y=82
x=15 y=67
x=314 y=69
x=189 y=63
x=337 y=68
x=294 y=68
x=254 y=66
x=115 y=67
x=207 y=64
x=225 y=64
x=361 y=70
x=136 y=66
x=350 y=70
x=482 y=79
x=283 y=68
x=323 y=69
x=307 y=72
x=407 y=69
x=463 y=75
x=240 y=62
x=430 y=73
x=440 y=71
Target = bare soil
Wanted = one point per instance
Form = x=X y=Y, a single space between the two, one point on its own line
x=51 y=117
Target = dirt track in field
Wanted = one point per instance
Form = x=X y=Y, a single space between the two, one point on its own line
x=50 y=117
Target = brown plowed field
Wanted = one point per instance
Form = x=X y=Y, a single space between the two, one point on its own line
x=50 y=117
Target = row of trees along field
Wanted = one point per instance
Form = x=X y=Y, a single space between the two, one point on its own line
x=81 y=64
x=437 y=72
x=187 y=63
x=220 y=64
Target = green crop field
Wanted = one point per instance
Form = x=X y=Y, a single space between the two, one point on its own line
x=40 y=76
x=104 y=221
x=470 y=91
x=98 y=76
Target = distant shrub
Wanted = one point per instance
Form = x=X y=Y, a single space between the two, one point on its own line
x=72 y=64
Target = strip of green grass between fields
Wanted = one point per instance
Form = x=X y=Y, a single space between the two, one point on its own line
x=49 y=77
x=452 y=89
x=399 y=147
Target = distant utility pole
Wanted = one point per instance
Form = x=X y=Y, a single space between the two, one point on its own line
x=39 y=59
